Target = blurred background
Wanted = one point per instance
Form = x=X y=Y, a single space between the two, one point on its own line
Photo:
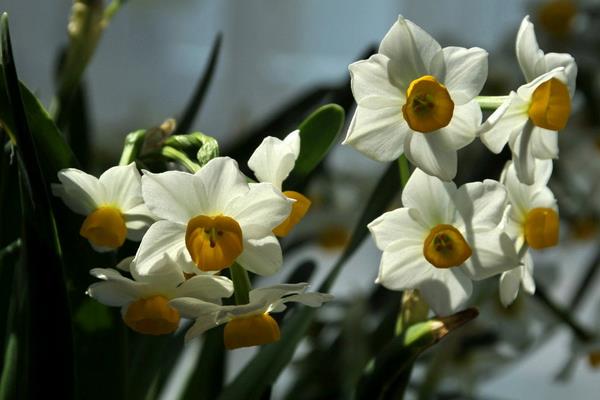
x=275 y=51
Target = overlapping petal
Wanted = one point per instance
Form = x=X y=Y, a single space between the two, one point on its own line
x=274 y=159
x=466 y=72
x=432 y=197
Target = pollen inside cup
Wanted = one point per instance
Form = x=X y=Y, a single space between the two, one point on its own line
x=445 y=247
x=541 y=228
x=254 y=330
x=428 y=105
x=152 y=316
x=550 y=105
x=105 y=227
x=299 y=210
x=213 y=242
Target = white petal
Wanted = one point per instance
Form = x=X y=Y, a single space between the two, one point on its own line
x=272 y=161
x=544 y=143
x=206 y=287
x=223 y=182
x=138 y=220
x=433 y=153
x=542 y=197
x=261 y=256
x=173 y=195
x=293 y=141
x=523 y=159
x=493 y=253
x=259 y=211
x=272 y=294
x=164 y=275
x=116 y=291
x=190 y=307
x=528 y=51
x=124 y=264
x=402 y=223
x=554 y=60
x=463 y=127
x=507 y=121
x=527 y=274
x=432 y=197
x=122 y=186
x=403 y=266
x=446 y=291
x=411 y=51
x=510 y=282
x=466 y=72
x=378 y=134
x=81 y=192
x=371 y=83
x=308 y=299
x=481 y=204
x=163 y=238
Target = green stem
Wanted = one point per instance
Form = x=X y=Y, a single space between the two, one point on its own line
x=111 y=10
x=404 y=170
x=176 y=155
x=241 y=284
x=133 y=145
x=491 y=102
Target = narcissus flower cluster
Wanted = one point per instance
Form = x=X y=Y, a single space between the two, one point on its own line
x=418 y=99
x=192 y=227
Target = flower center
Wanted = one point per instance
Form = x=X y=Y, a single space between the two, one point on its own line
x=213 y=242
x=152 y=316
x=446 y=247
x=105 y=227
x=550 y=105
x=428 y=105
x=541 y=228
x=299 y=210
x=254 y=330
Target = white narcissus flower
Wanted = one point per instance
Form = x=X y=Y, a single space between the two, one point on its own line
x=442 y=239
x=113 y=204
x=532 y=221
x=249 y=324
x=144 y=300
x=416 y=98
x=272 y=162
x=530 y=118
x=213 y=218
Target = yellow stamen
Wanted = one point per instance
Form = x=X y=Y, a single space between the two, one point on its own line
x=594 y=359
x=550 y=105
x=213 y=242
x=105 y=227
x=152 y=316
x=541 y=228
x=428 y=105
x=299 y=210
x=446 y=247
x=557 y=16
x=254 y=330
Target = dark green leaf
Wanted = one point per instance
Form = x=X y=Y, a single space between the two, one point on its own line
x=185 y=122
x=318 y=134
x=49 y=311
x=389 y=368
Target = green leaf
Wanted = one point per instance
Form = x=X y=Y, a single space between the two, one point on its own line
x=383 y=377
x=207 y=379
x=318 y=134
x=49 y=311
x=195 y=104
x=265 y=367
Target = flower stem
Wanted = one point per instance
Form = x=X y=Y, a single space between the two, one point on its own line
x=404 y=170
x=176 y=155
x=133 y=145
x=582 y=334
x=490 y=102
x=241 y=284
